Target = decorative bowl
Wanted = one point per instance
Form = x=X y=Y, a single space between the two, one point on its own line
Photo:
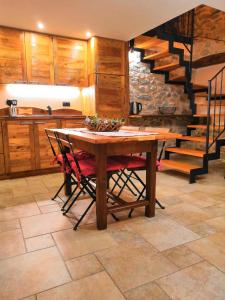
x=167 y=110
x=98 y=124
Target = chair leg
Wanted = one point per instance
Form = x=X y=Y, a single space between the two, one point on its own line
x=67 y=201
x=59 y=190
x=159 y=204
x=74 y=200
x=84 y=214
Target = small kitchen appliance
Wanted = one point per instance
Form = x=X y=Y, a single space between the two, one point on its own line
x=135 y=108
x=12 y=107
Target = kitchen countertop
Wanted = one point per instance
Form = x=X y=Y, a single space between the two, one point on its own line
x=42 y=117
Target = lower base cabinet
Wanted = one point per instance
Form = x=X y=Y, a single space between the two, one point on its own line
x=26 y=146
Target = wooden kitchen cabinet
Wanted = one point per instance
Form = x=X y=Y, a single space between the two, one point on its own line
x=2 y=159
x=70 y=62
x=39 y=58
x=107 y=56
x=44 y=155
x=19 y=146
x=110 y=93
x=72 y=123
x=12 y=58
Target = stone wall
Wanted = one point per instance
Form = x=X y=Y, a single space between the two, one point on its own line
x=209 y=31
x=150 y=89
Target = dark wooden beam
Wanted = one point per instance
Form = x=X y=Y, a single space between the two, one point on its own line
x=209 y=60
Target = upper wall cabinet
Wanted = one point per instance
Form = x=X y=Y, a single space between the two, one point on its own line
x=12 y=64
x=70 y=59
x=39 y=57
x=107 y=56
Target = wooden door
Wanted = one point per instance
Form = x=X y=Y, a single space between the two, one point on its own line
x=12 y=62
x=39 y=57
x=19 y=148
x=110 y=95
x=110 y=56
x=70 y=62
x=44 y=154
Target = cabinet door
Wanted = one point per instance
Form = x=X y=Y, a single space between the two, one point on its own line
x=72 y=123
x=2 y=160
x=12 y=63
x=39 y=57
x=70 y=60
x=110 y=56
x=20 y=146
x=110 y=95
x=44 y=154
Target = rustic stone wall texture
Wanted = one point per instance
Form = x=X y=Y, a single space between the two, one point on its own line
x=209 y=31
x=150 y=89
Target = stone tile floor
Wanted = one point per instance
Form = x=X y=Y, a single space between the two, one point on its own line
x=179 y=254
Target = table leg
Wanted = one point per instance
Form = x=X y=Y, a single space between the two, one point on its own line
x=101 y=187
x=151 y=158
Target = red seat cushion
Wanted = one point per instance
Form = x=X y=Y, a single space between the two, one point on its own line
x=132 y=162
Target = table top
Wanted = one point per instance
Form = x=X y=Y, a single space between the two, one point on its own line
x=94 y=138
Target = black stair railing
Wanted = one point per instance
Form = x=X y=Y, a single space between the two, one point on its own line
x=215 y=113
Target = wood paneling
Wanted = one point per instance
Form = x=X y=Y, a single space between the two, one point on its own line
x=20 y=146
x=71 y=123
x=44 y=155
x=2 y=164
x=110 y=95
x=70 y=59
x=39 y=57
x=107 y=56
x=12 y=63
x=1 y=139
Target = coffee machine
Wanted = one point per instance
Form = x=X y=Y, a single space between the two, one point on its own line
x=12 y=107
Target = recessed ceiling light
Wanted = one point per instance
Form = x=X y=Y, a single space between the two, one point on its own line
x=40 y=25
x=88 y=34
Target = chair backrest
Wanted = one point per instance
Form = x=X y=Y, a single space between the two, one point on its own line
x=66 y=149
x=52 y=141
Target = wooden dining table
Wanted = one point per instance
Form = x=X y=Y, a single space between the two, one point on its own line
x=103 y=146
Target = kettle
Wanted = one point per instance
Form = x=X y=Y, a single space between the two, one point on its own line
x=135 y=108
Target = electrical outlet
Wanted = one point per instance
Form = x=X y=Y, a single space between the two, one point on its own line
x=66 y=103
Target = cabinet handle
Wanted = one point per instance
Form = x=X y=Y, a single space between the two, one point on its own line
x=96 y=80
x=34 y=82
x=40 y=122
x=96 y=67
x=20 y=81
x=26 y=123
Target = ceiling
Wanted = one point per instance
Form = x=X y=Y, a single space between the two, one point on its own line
x=119 y=19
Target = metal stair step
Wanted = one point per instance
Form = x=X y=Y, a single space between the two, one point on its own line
x=167 y=67
x=198 y=139
x=157 y=55
x=186 y=151
x=179 y=166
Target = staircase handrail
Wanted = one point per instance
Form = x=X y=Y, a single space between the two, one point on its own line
x=211 y=118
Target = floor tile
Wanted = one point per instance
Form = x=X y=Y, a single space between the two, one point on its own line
x=182 y=256
x=30 y=298
x=84 y=241
x=39 y=242
x=198 y=282
x=162 y=232
x=12 y=243
x=186 y=213
x=83 y=266
x=211 y=248
x=149 y=291
x=31 y=273
x=200 y=199
x=9 y=225
x=19 y=211
x=95 y=287
x=133 y=266
x=217 y=223
x=202 y=228
x=44 y=223
x=49 y=208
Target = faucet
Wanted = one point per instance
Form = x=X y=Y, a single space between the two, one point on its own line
x=49 y=110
